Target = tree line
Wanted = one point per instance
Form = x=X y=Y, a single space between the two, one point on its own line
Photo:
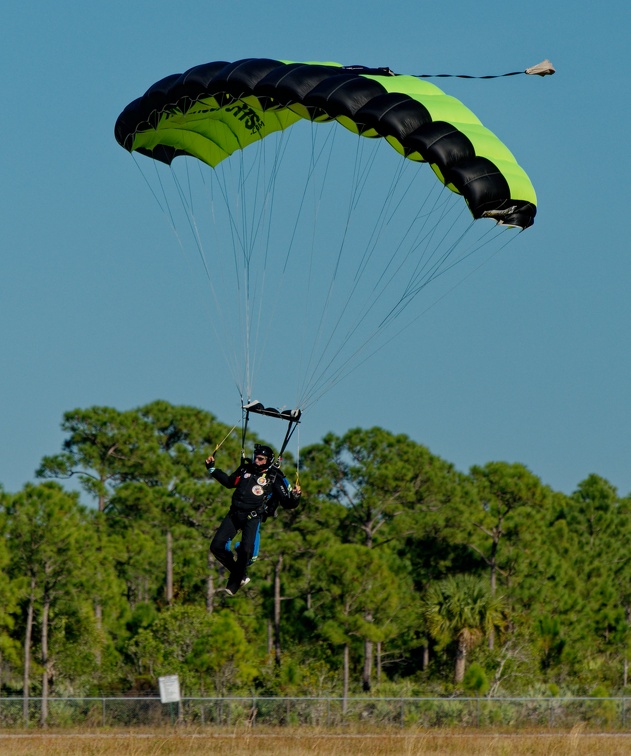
x=397 y=574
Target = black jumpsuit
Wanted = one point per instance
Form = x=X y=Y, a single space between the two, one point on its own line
x=258 y=492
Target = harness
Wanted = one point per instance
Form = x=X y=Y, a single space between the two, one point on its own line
x=271 y=473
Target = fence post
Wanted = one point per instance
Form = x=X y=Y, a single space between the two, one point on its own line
x=103 y=710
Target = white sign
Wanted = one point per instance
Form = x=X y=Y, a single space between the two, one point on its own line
x=169 y=689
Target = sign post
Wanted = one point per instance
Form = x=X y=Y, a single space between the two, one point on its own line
x=170 y=691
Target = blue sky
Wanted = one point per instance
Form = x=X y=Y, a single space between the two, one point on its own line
x=526 y=361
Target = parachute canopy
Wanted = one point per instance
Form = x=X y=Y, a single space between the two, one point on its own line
x=215 y=109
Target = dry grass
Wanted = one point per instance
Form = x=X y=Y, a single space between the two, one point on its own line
x=309 y=742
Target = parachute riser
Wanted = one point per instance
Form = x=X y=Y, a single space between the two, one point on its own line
x=244 y=430
x=291 y=427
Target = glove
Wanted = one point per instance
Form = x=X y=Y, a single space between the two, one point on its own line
x=210 y=463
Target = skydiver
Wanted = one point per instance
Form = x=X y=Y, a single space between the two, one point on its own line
x=260 y=488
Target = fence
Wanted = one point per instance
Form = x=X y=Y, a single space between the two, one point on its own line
x=604 y=714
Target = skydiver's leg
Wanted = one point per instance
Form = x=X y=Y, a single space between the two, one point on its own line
x=257 y=543
x=249 y=546
x=220 y=545
x=250 y=538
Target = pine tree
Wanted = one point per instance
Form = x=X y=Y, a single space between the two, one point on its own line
x=46 y=526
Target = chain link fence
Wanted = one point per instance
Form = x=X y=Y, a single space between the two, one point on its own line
x=603 y=714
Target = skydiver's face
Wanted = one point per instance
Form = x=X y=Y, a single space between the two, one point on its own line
x=260 y=460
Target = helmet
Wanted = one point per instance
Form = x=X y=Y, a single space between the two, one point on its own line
x=265 y=451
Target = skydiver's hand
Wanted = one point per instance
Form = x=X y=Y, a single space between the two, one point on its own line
x=297 y=491
x=210 y=462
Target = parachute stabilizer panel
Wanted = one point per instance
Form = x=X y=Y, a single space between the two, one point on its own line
x=257 y=408
x=214 y=109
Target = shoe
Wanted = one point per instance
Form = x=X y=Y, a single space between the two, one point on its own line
x=232 y=589
x=233 y=586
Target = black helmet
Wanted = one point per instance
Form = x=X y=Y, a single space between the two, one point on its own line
x=264 y=451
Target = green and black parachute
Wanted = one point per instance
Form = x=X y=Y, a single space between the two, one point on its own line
x=315 y=240
x=212 y=110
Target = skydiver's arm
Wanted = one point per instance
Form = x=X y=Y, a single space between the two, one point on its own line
x=287 y=497
x=228 y=481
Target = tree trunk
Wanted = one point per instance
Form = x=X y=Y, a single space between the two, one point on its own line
x=346 y=678
x=45 y=662
x=169 y=587
x=28 y=634
x=378 y=662
x=625 y=675
x=461 y=658
x=368 y=659
x=210 y=582
x=98 y=621
x=367 y=671
x=277 y=569
x=491 y=639
x=425 y=657
x=98 y=606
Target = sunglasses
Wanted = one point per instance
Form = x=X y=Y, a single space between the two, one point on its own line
x=260 y=456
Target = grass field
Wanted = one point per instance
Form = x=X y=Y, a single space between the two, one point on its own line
x=305 y=741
